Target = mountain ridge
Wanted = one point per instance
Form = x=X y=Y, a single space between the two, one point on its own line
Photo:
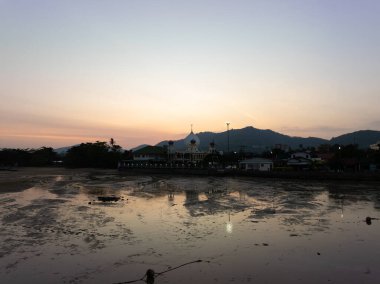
x=254 y=139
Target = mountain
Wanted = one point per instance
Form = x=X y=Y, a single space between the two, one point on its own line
x=63 y=150
x=363 y=138
x=138 y=147
x=251 y=139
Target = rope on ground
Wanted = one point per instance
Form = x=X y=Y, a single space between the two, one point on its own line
x=179 y=266
x=150 y=275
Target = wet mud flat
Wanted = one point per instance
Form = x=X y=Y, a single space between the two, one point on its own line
x=55 y=229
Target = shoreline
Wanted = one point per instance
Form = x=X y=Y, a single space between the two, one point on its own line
x=294 y=175
x=23 y=178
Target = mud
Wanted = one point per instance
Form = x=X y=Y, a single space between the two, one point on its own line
x=244 y=230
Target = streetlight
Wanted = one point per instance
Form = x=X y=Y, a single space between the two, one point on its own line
x=228 y=137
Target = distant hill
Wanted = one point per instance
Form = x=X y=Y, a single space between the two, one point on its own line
x=250 y=139
x=363 y=138
x=63 y=150
x=138 y=147
x=257 y=140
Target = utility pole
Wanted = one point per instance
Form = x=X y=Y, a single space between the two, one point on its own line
x=228 y=137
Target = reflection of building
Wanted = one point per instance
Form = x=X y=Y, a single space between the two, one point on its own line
x=192 y=196
x=257 y=164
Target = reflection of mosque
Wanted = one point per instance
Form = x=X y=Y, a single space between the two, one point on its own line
x=192 y=197
x=171 y=195
x=210 y=201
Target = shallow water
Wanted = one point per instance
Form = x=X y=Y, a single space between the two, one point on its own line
x=243 y=230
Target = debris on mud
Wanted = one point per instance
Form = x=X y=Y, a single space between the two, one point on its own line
x=111 y=198
x=369 y=220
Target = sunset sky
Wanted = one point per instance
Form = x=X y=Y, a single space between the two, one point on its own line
x=75 y=71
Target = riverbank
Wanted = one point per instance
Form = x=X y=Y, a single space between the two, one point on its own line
x=20 y=179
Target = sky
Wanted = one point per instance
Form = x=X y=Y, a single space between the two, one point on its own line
x=74 y=71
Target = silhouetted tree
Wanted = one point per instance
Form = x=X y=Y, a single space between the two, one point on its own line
x=12 y=157
x=43 y=156
x=96 y=155
x=27 y=157
x=347 y=157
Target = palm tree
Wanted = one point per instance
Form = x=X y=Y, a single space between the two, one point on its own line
x=112 y=142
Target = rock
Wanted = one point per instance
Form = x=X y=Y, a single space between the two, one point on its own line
x=108 y=198
x=368 y=220
x=150 y=276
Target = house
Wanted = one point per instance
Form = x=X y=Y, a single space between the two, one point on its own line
x=300 y=160
x=304 y=155
x=256 y=164
x=375 y=146
x=150 y=153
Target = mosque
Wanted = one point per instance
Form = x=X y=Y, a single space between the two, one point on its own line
x=170 y=155
x=191 y=152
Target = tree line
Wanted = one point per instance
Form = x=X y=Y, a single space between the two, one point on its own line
x=94 y=155
x=102 y=154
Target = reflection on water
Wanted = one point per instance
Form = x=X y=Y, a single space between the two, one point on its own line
x=229 y=226
x=258 y=231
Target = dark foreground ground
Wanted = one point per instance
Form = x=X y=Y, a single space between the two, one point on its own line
x=224 y=229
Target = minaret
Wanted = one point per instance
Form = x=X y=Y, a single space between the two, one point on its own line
x=170 y=150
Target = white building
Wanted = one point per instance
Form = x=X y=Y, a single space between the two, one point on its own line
x=300 y=160
x=256 y=164
x=303 y=155
x=375 y=146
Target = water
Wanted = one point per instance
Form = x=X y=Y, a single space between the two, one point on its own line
x=243 y=230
